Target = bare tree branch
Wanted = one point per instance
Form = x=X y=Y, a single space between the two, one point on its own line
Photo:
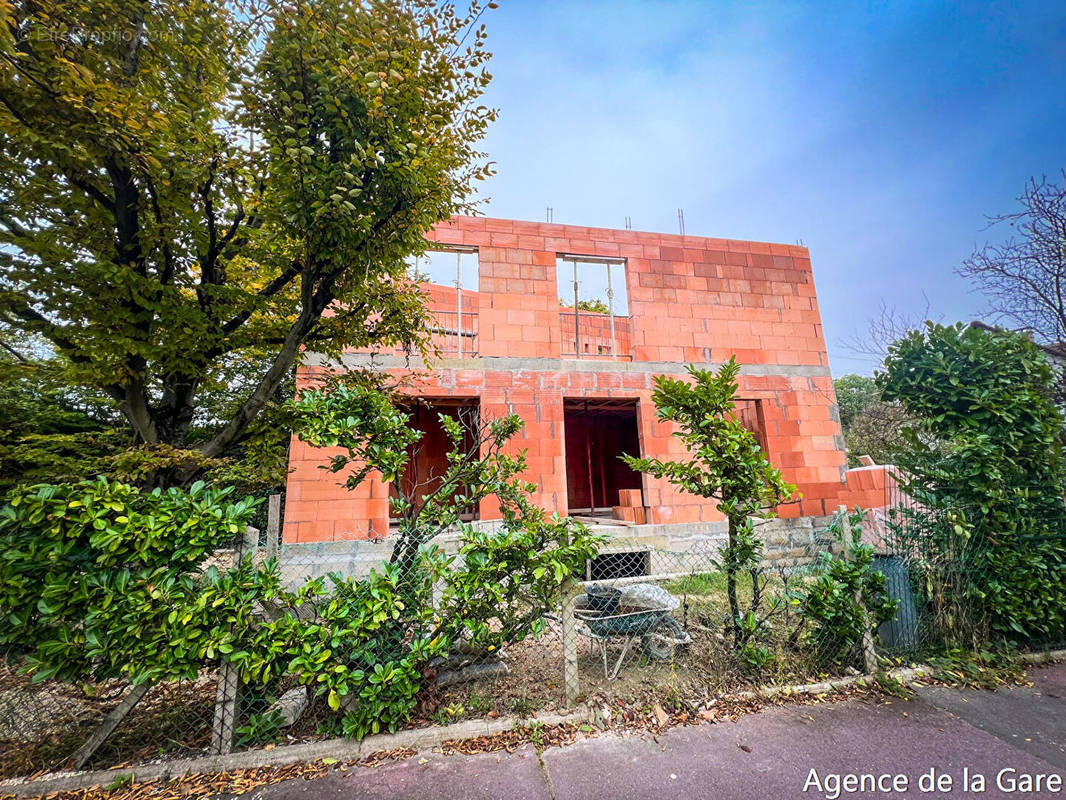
x=1024 y=276
x=889 y=325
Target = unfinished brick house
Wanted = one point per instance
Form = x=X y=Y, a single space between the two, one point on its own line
x=566 y=326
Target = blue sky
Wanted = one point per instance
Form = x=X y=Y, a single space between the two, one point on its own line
x=880 y=135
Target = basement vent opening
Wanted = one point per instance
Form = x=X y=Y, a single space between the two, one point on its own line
x=613 y=566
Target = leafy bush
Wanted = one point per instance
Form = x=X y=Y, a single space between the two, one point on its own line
x=354 y=642
x=726 y=464
x=99 y=579
x=260 y=729
x=847 y=596
x=367 y=644
x=983 y=463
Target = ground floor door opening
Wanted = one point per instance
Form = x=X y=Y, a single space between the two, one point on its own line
x=428 y=458
x=597 y=432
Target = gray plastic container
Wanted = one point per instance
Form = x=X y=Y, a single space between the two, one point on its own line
x=901 y=632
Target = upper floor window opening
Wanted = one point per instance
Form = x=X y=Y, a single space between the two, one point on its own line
x=592 y=284
x=454 y=322
x=593 y=306
x=446 y=266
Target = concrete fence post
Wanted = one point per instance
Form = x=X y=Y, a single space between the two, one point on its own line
x=273 y=525
x=571 y=682
x=869 y=654
x=107 y=727
x=249 y=543
x=227 y=696
x=225 y=710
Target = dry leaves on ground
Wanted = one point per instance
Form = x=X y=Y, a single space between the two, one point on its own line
x=209 y=784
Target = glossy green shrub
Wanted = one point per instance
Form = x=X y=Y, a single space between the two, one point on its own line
x=99 y=579
x=983 y=465
x=362 y=648
x=847 y=595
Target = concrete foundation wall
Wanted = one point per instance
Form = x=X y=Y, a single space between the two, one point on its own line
x=672 y=549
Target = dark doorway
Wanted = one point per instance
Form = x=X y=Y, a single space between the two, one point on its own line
x=598 y=432
x=428 y=458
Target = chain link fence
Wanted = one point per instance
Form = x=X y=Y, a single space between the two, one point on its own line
x=645 y=622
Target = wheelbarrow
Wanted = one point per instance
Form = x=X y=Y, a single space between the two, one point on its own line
x=636 y=613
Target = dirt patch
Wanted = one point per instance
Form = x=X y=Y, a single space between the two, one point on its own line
x=44 y=723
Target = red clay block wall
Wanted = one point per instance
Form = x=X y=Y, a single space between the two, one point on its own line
x=691 y=299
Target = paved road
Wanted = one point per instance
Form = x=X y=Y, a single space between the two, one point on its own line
x=765 y=756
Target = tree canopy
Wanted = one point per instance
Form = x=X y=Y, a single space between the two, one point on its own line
x=192 y=193
x=726 y=464
x=871 y=426
x=983 y=463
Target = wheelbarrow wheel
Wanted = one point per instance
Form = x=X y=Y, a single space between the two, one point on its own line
x=661 y=641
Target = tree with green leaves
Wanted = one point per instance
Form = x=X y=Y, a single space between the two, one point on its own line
x=854 y=394
x=726 y=465
x=192 y=194
x=49 y=430
x=502 y=583
x=870 y=426
x=983 y=462
x=374 y=431
x=596 y=306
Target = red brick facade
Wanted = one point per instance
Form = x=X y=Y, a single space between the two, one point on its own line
x=690 y=299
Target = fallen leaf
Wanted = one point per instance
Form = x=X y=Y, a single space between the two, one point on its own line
x=660 y=715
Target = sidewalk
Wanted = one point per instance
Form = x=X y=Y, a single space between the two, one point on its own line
x=764 y=756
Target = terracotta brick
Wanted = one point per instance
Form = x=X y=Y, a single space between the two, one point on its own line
x=691 y=299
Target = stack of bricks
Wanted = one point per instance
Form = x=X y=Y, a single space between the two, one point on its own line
x=630 y=508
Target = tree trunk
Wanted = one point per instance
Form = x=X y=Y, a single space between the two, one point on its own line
x=731 y=582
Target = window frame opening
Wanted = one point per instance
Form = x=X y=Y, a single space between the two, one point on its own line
x=571 y=275
x=460 y=333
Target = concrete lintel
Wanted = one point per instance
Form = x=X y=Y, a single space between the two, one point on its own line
x=559 y=365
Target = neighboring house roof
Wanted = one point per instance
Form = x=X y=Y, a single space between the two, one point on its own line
x=1057 y=350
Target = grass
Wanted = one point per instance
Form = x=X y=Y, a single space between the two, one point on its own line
x=699 y=583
